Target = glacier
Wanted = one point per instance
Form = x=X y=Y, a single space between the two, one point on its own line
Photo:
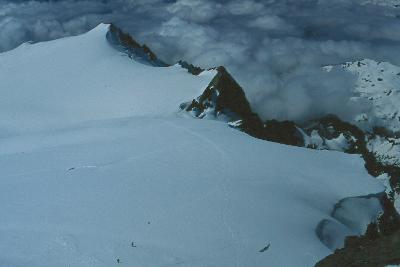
x=99 y=168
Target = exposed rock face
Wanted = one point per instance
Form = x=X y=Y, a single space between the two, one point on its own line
x=332 y=133
x=284 y=132
x=370 y=250
x=224 y=99
x=124 y=42
x=190 y=67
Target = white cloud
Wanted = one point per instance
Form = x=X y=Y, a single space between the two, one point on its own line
x=245 y=7
x=270 y=22
x=195 y=10
x=273 y=48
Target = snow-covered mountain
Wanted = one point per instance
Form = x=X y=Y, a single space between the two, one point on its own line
x=379 y=84
x=73 y=80
x=101 y=167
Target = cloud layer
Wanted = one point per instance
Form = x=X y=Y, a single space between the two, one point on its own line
x=274 y=48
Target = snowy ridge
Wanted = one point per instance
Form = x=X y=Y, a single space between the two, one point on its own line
x=98 y=169
x=125 y=43
x=83 y=78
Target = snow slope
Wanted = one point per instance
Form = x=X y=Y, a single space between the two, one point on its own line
x=82 y=78
x=94 y=156
x=188 y=192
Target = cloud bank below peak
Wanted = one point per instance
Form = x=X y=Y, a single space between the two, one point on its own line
x=273 y=48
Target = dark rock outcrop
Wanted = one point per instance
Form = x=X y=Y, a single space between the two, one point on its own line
x=225 y=97
x=190 y=67
x=125 y=43
x=284 y=132
x=330 y=127
x=370 y=250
